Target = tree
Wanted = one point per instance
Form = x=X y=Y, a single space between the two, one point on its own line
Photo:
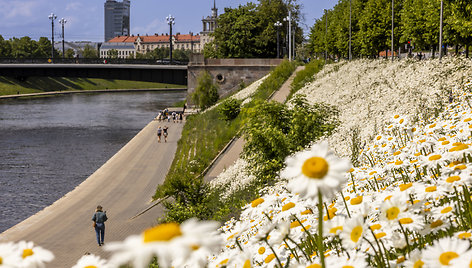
x=43 y=48
x=206 y=92
x=249 y=32
x=461 y=22
x=112 y=53
x=89 y=52
x=5 y=48
x=70 y=53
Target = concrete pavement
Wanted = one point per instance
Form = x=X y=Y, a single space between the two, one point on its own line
x=124 y=186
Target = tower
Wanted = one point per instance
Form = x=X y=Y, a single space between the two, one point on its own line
x=209 y=26
x=117 y=17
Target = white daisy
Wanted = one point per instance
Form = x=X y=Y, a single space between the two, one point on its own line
x=33 y=256
x=170 y=242
x=315 y=170
x=443 y=251
x=353 y=231
x=91 y=261
x=8 y=256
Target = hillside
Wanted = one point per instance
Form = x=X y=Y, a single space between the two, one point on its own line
x=367 y=92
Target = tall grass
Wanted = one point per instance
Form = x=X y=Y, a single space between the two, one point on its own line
x=305 y=76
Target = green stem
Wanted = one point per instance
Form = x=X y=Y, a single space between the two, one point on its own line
x=320 y=229
x=345 y=204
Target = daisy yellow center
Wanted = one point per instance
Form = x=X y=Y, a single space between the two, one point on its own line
x=163 y=232
x=316 y=265
x=257 y=202
x=396 y=116
x=446 y=210
x=431 y=189
x=288 y=206
x=335 y=229
x=306 y=212
x=1 y=260
x=418 y=264
x=269 y=258
x=447 y=256
x=261 y=250
x=453 y=179
x=356 y=233
x=405 y=186
x=406 y=220
x=356 y=200
x=436 y=223
x=247 y=264
x=401 y=121
x=375 y=227
x=315 y=167
x=91 y=266
x=434 y=157
x=223 y=262
x=392 y=213
x=27 y=252
x=465 y=235
x=380 y=235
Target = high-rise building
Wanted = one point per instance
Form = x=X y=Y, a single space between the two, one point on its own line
x=117 y=18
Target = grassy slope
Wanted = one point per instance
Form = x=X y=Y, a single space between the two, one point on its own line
x=10 y=86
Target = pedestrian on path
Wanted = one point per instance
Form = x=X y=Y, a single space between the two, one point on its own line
x=99 y=218
x=165 y=133
x=159 y=133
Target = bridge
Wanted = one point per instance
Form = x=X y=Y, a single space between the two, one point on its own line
x=170 y=74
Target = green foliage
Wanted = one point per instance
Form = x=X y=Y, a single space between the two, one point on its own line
x=275 y=131
x=69 y=54
x=112 y=53
x=414 y=20
x=276 y=79
x=203 y=136
x=206 y=92
x=249 y=32
x=305 y=76
x=229 y=109
x=89 y=52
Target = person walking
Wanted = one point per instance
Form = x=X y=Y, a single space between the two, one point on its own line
x=99 y=218
x=159 y=133
x=165 y=133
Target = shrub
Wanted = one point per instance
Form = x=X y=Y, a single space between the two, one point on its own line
x=305 y=76
x=229 y=109
x=206 y=92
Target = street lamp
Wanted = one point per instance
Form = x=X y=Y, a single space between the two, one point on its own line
x=350 y=27
x=52 y=17
x=278 y=24
x=441 y=32
x=393 y=9
x=62 y=21
x=170 y=20
x=289 y=20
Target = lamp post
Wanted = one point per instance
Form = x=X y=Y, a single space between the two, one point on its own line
x=440 y=32
x=350 y=27
x=52 y=17
x=62 y=21
x=170 y=20
x=289 y=34
x=278 y=24
x=326 y=36
x=393 y=8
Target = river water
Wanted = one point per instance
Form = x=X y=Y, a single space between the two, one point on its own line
x=50 y=145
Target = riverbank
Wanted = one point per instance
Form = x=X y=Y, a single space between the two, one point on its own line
x=13 y=86
x=52 y=93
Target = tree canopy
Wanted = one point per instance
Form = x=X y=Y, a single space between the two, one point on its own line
x=249 y=31
x=416 y=23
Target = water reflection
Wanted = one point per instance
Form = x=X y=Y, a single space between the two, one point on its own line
x=50 y=145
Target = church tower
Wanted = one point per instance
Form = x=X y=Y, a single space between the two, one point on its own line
x=209 y=26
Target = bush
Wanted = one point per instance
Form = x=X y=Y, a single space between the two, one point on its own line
x=229 y=109
x=275 y=131
x=206 y=92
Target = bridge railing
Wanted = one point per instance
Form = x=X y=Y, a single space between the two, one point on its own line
x=89 y=61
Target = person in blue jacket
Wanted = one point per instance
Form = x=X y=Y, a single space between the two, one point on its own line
x=99 y=218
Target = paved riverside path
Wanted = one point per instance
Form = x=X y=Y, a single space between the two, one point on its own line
x=235 y=149
x=124 y=186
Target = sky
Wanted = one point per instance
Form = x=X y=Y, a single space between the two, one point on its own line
x=85 y=18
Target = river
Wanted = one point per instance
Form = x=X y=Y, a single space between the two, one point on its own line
x=50 y=145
